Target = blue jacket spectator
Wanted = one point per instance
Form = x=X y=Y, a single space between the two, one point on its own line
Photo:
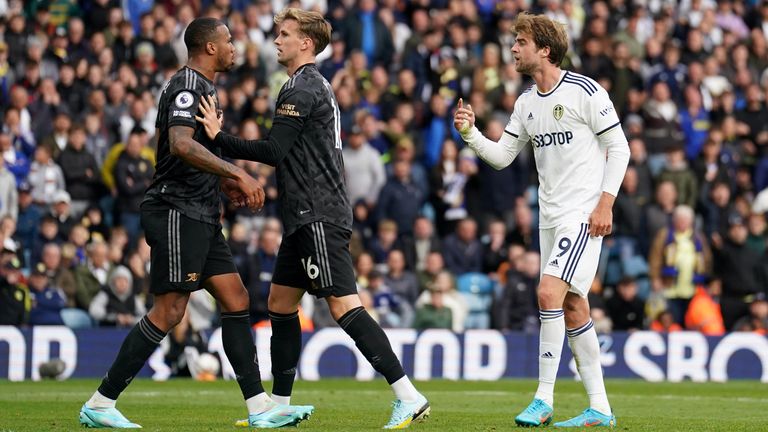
x=47 y=300
x=462 y=251
x=15 y=160
x=400 y=199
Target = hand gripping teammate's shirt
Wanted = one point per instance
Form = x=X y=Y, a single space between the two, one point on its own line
x=176 y=184
x=305 y=146
x=571 y=128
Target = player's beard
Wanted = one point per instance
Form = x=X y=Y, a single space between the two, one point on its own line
x=227 y=63
x=524 y=68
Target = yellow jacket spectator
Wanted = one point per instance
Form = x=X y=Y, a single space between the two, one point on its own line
x=108 y=169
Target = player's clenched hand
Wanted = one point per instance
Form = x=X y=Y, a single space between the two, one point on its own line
x=600 y=221
x=232 y=191
x=252 y=192
x=464 y=118
x=210 y=118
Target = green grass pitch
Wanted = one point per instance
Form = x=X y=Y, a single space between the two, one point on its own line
x=346 y=405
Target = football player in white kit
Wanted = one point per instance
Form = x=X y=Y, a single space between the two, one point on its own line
x=581 y=155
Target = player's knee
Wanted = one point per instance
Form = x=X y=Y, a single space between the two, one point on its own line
x=341 y=305
x=576 y=311
x=280 y=304
x=551 y=293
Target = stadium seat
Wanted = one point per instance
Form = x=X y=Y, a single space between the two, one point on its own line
x=477 y=290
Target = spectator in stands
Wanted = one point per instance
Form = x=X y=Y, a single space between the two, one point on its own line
x=56 y=141
x=704 y=314
x=93 y=219
x=433 y=265
x=259 y=269
x=14 y=160
x=433 y=314
x=709 y=169
x=393 y=311
x=14 y=296
x=60 y=276
x=717 y=211
x=420 y=244
x=133 y=174
x=757 y=319
x=362 y=227
x=138 y=268
x=679 y=259
x=737 y=265
x=524 y=232
x=501 y=189
x=627 y=219
x=45 y=177
x=401 y=281
x=92 y=275
x=445 y=284
x=386 y=237
x=462 y=250
x=757 y=239
x=98 y=138
x=116 y=304
x=516 y=307
x=404 y=149
x=626 y=309
x=446 y=185
x=363 y=169
x=658 y=215
x=694 y=120
x=47 y=300
x=677 y=171
x=400 y=199
x=662 y=127
x=665 y=323
x=9 y=196
x=81 y=173
x=62 y=211
x=494 y=246
x=48 y=233
x=29 y=217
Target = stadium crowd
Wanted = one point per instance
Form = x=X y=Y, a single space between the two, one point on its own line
x=441 y=240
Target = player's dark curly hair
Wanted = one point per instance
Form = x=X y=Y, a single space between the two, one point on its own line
x=200 y=32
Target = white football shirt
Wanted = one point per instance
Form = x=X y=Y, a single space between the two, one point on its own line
x=563 y=126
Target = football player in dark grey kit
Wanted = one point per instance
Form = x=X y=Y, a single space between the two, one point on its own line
x=180 y=217
x=305 y=146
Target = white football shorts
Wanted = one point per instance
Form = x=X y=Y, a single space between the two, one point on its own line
x=569 y=253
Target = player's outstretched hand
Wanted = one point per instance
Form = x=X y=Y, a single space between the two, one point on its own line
x=464 y=118
x=210 y=118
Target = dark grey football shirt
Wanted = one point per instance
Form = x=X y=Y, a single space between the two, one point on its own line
x=176 y=184
x=305 y=146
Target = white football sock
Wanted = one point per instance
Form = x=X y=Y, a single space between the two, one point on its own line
x=551 y=338
x=281 y=400
x=98 y=400
x=259 y=403
x=404 y=390
x=586 y=349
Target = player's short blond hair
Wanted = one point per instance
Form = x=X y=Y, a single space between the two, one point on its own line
x=311 y=24
x=545 y=33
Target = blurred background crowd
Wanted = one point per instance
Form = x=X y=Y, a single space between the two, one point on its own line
x=440 y=239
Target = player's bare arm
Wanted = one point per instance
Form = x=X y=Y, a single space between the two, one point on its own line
x=601 y=219
x=183 y=146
